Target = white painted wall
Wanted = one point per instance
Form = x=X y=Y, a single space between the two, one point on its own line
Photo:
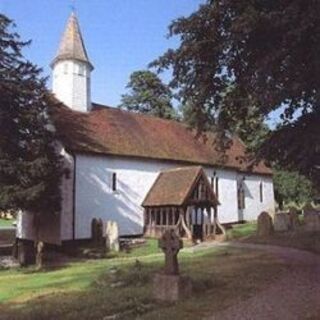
x=71 y=84
x=253 y=206
x=95 y=198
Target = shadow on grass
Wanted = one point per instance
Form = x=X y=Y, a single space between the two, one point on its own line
x=125 y=290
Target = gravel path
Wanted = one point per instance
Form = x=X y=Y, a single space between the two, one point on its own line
x=296 y=296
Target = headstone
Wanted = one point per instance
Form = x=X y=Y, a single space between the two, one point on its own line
x=169 y=285
x=112 y=236
x=97 y=231
x=281 y=221
x=26 y=253
x=265 y=225
x=312 y=220
x=294 y=219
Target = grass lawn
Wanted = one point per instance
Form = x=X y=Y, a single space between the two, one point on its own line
x=242 y=230
x=98 y=288
x=6 y=223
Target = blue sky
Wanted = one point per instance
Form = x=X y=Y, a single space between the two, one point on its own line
x=121 y=36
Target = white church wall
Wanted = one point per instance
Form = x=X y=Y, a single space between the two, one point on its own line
x=95 y=198
x=227 y=193
x=25 y=227
x=253 y=204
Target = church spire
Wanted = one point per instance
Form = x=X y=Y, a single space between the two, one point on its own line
x=71 y=44
x=71 y=69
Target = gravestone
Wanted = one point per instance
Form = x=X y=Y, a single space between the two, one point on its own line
x=169 y=285
x=97 y=231
x=265 y=225
x=112 y=236
x=281 y=221
x=26 y=253
x=312 y=219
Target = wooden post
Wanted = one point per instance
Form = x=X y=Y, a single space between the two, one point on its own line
x=183 y=224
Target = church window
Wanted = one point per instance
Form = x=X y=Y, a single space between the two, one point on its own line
x=114 y=181
x=261 y=191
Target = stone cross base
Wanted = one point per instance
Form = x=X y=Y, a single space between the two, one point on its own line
x=171 y=287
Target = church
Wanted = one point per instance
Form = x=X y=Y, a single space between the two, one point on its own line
x=136 y=169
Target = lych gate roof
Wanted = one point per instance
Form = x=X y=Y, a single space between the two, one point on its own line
x=71 y=44
x=173 y=187
x=111 y=131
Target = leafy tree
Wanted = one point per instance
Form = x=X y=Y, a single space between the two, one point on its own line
x=237 y=58
x=30 y=168
x=148 y=94
x=291 y=187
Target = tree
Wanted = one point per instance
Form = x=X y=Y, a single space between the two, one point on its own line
x=291 y=187
x=236 y=56
x=148 y=94
x=30 y=168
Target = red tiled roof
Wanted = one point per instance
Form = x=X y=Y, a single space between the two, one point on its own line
x=173 y=187
x=111 y=131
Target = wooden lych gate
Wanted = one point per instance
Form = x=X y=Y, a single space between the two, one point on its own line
x=182 y=199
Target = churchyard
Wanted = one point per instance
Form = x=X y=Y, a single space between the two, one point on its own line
x=122 y=285
x=121 y=288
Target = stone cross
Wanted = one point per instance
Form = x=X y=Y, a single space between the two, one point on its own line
x=170 y=244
